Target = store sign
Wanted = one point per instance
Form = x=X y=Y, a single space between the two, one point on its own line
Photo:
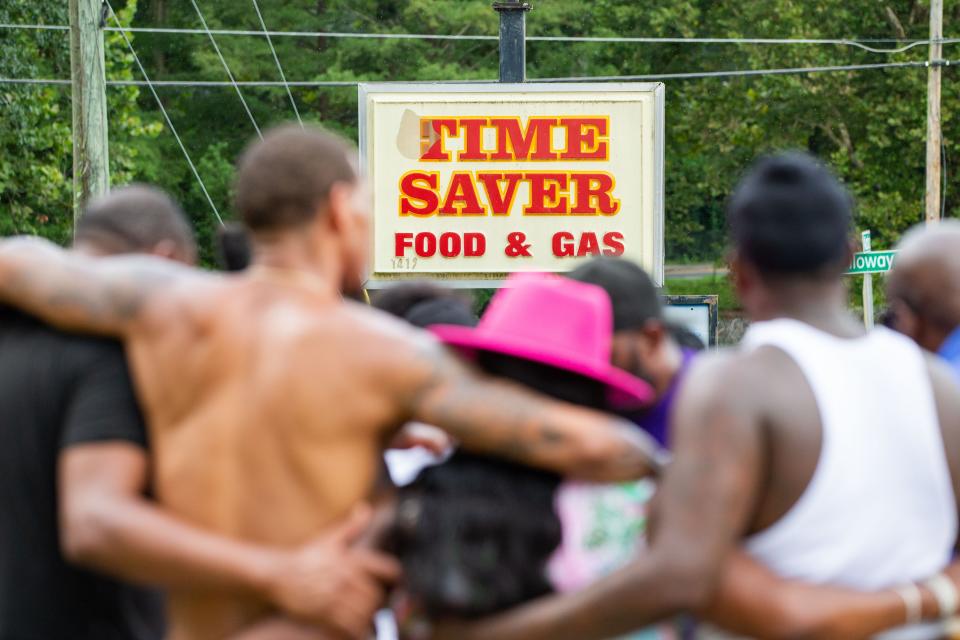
x=472 y=182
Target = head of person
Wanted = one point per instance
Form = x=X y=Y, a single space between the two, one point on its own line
x=424 y=304
x=475 y=534
x=234 y=252
x=299 y=190
x=136 y=218
x=643 y=343
x=790 y=222
x=923 y=288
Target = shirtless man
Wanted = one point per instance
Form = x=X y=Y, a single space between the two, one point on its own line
x=831 y=455
x=268 y=396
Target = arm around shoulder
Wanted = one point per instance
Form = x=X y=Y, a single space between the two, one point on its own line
x=500 y=418
x=76 y=292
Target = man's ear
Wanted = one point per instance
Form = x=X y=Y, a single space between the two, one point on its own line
x=737 y=268
x=655 y=332
x=338 y=206
x=851 y=249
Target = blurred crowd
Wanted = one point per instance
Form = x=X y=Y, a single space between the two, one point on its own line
x=270 y=452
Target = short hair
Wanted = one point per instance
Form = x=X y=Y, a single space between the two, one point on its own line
x=135 y=218
x=423 y=304
x=234 y=252
x=790 y=216
x=284 y=179
x=632 y=293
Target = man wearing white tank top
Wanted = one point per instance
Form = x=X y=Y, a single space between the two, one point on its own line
x=829 y=454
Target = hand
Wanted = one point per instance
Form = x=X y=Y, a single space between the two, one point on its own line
x=416 y=434
x=332 y=583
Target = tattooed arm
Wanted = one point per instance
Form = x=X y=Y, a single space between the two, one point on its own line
x=500 y=418
x=71 y=291
x=706 y=497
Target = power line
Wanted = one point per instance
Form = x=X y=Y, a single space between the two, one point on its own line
x=649 y=77
x=860 y=43
x=166 y=116
x=744 y=72
x=276 y=59
x=226 y=68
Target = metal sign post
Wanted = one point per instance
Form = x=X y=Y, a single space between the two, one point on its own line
x=513 y=39
x=867 y=287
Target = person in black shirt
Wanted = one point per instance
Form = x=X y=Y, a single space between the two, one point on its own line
x=69 y=413
x=59 y=391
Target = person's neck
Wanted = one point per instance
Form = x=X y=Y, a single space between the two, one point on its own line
x=821 y=305
x=296 y=255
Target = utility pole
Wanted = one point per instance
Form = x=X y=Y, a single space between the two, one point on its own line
x=513 y=39
x=934 y=141
x=91 y=165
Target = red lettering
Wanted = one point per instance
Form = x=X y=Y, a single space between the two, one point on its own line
x=544 y=194
x=425 y=245
x=416 y=199
x=563 y=244
x=614 y=243
x=472 y=139
x=402 y=241
x=500 y=201
x=516 y=144
x=582 y=139
x=588 y=245
x=474 y=245
x=462 y=192
x=431 y=137
x=450 y=245
x=594 y=194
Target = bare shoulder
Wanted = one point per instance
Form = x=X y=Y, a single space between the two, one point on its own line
x=401 y=350
x=735 y=387
x=729 y=374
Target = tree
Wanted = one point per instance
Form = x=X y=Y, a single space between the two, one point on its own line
x=35 y=141
x=868 y=124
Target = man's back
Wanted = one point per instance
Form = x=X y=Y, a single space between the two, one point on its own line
x=851 y=486
x=268 y=411
x=58 y=390
x=879 y=509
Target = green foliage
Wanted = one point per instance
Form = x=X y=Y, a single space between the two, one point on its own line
x=36 y=163
x=870 y=125
x=35 y=147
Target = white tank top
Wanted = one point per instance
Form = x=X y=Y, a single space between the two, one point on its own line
x=879 y=510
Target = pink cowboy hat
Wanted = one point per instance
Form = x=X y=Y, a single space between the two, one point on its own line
x=555 y=321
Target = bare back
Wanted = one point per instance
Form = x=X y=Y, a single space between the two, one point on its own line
x=856 y=447
x=267 y=416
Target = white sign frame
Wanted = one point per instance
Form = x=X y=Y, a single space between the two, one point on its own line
x=376 y=281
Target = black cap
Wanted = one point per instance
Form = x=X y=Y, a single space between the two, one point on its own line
x=632 y=292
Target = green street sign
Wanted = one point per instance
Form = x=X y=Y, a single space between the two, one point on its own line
x=872 y=262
